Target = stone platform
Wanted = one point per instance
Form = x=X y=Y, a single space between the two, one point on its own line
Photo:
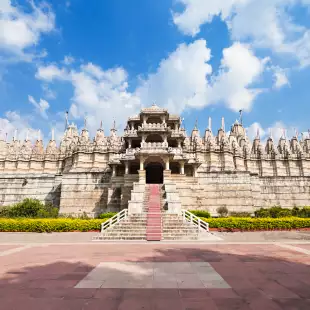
x=130 y=276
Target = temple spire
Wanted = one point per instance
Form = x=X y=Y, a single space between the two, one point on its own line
x=240 y=117
x=223 y=124
x=101 y=124
x=85 y=122
x=27 y=134
x=66 y=120
x=15 y=135
x=53 y=134
x=257 y=134
x=39 y=135
x=210 y=124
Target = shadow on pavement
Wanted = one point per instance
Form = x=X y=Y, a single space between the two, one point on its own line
x=261 y=277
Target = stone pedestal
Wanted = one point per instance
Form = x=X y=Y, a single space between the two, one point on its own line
x=142 y=175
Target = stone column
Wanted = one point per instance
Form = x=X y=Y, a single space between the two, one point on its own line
x=113 y=170
x=129 y=143
x=179 y=143
x=167 y=164
x=194 y=170
x=132 y=126
x=126 y=167
x=181 y=167
x=141 y=163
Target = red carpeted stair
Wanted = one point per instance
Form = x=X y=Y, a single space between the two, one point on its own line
x=153 y=224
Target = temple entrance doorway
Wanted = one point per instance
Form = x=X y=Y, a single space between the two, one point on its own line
x=154 y=173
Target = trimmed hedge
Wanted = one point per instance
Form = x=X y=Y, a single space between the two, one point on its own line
x=49 y=225
x=286 y=223
x=66 y=225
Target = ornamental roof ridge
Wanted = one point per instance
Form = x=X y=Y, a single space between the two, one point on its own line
x=154 y=108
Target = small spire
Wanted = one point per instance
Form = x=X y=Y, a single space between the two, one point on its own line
x=15 y=135
x=66 y=118
x=296 y=133
x=283 y=133
x=27 y=134
x=196 y=123
x=257 y=134
x=39 y=135
x=223 y=124
x=302 y=136
x=240 y=116
x=270 y=133
x=101 y=124
x=114 y=125
x=210 y=124
x=85 y=122
x=53 y=134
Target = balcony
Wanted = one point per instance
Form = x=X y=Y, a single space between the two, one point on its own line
x=154 y=127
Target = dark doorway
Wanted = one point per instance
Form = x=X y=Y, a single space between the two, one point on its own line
x=154 y=173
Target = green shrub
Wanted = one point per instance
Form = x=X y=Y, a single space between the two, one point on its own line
x=201 y=213
x=245 y=224
x=262 y=213
x=30 y=208
x=284 y=213
x=295 y=211
x=222 y=211
x=106 y=215
x=240 y=214
x=49 y=225
x=304 y=212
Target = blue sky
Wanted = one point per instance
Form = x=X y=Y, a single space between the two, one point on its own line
x=104 y=60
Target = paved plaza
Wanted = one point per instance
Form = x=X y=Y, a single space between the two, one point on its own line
x=131 y=276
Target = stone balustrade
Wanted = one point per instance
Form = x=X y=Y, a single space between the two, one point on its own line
x=153 y=127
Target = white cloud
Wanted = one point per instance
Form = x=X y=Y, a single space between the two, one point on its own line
x=280 y=78
x=21 y=30
x=14 y=121
x=41 y=106
x=48 y=93
x=68 y=60
x=99 y=94
x=240 y=68
x=51 y=72
x=184 y=79
x=264 y=23
x=276 y=130
x=179 y=78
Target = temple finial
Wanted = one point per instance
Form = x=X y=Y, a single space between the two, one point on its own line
x=39 y=135
x=27 y=134
x=15 y=135
x=223 y=124
x=210 y=124
x=240 y=117
x=53 y=134
x=196 y=123
x=270 y=133
x=257 y=134
x=85 y=122
x=283 y=133
x=101 y=124
x=66 y=120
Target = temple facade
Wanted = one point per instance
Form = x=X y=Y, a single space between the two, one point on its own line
x=109 y=173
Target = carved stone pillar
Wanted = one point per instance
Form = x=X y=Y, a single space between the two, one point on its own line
x=181 y=167
x=113 y=170
x=126 y=167
x=179 y=143
x=141 y=163
x=167 y=164
x=194 y=171
x=129 y=143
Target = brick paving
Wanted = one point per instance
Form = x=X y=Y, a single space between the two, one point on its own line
x=258 y=276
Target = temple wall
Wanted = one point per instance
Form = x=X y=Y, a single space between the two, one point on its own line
x=94 y=193
x=15 y=187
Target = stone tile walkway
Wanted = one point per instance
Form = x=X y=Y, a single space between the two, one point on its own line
x=155 y=276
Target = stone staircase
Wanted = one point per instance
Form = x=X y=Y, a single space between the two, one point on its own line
x=153 y=223
x=154 y=213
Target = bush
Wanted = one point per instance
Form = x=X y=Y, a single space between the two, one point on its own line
x=49 y=225
x=304 y=212
x=240 y=214
x=201 y=213
x=222 y=211
x=245 y=224
x=106 y=215
x=30 y=208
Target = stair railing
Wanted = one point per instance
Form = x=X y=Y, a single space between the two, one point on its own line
x=195 y=220
x=115 y=219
